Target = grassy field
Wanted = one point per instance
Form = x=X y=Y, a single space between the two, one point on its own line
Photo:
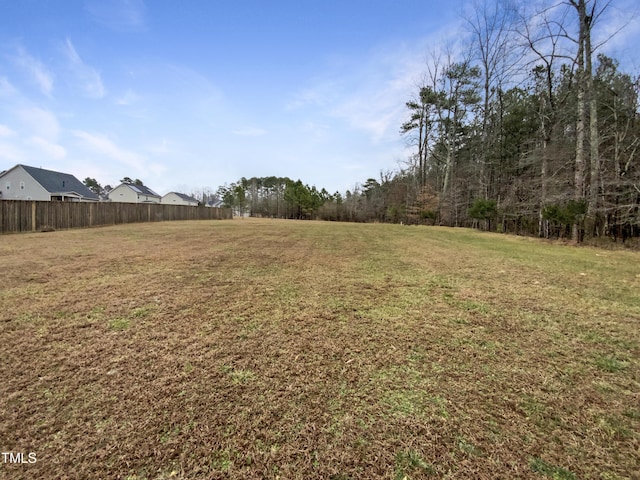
x=297 y=350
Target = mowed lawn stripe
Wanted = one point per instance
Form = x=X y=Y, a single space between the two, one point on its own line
x=287 y=349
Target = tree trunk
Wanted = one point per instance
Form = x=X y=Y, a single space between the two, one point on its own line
x=594 y=137
x=543 y=226
x=578 y=186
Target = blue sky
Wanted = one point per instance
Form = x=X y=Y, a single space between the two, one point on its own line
x=186 y=95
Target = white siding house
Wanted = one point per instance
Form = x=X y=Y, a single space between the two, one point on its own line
x=129 y=193
x=175 y=198
x=30 y=183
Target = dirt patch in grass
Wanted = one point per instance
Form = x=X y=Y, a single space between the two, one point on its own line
x=282 y=349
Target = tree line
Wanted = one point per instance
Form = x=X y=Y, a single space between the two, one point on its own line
x=525 y=128
x=274 y=197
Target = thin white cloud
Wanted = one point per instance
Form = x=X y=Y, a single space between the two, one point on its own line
x=40 y=122
x=371 y=97
x=50 y=149
x=250 y=132
x=11 y=152
x=6 y=89
x=157 y=170
x=354 y=166
x=160 y=148
x=121 y=15
x=313 y=131
x=106 y=149
x=6 y=131
x=103 y=146
x=321 y=93
x=617 y=32
x=369 y=94
x=71 y=52
x=128 y=98
x=376 y=109
x=36 y=70
x=88 y=77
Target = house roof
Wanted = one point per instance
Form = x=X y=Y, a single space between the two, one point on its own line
x=58 y=182
x=184 y=197
x=141 y=189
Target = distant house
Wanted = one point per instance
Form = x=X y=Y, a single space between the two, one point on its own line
x=30 y=183
x=175 y=198
x=130 y=193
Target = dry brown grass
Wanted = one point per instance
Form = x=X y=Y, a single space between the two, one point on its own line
x=282 y=349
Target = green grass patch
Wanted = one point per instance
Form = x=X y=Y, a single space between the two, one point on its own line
x=610 y=363
x=410 y=463
x=538 y=465
x=119 y=323
x=240 y=376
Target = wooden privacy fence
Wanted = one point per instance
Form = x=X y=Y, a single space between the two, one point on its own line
x=33 y=216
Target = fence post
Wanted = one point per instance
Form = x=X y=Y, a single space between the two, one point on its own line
x=33 y=216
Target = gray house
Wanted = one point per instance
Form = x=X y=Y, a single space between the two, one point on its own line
x=177 y=198
x=130 y=193
x=30 y=183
